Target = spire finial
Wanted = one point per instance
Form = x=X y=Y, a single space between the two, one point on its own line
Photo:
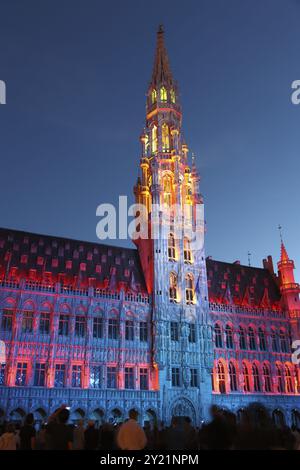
x=161 y=28
x=161 y=70
x=280 y=232
x=249 y=258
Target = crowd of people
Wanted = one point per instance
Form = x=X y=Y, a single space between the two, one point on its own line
x=255 y=430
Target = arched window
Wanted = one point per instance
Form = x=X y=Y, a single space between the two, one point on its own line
x=189 y=289
x=218 y=336
x=256 y=378
x=165 y=137
x=173 y=287
x=167 y=188
x=187 y=254
x=163 y=94
x=289 y=386
x=242 y=338
x=280 y=381
x=246 y=378
x=153 y=95
x=154 y=139
x=274 y=340
x=221 y=377
x=27 y=318
x=232 y=377
x=262 y=339
x=229 y=337
x=283 y=341
x=267 y=378
x=251 y=336
x=171 y=248
x=172 y=94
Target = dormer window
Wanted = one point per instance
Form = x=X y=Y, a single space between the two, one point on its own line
x=163 y=94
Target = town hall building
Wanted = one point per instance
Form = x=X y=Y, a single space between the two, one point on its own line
x=159 y=327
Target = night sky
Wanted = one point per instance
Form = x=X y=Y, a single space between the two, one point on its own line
x=76 y=75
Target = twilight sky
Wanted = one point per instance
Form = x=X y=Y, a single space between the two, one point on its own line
x=76 y=73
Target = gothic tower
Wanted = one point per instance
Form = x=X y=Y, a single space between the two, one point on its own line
x=173 y=258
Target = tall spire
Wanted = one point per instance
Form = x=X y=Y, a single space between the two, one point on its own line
x=283 y=254
x=161 y=69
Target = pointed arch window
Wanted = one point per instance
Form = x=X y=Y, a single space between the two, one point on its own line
x=218 y=336
x=280 y=381
x=187 y=253
x=221 y=377
x=246 y=378
x=173 y=287
x=232 y=377
x=229 y=336
x=154 y=96
x=283 y=341
x=189 y=288
x=172 y=94
x=167 y=187
x=274 y=340
x=163 y=94
x=165 y=136
x=289 y=388
x=267 y=378
x=171 y=247
x=251 y=336
x=242 y=338
x=154 y=138
x=256 y=378
x=262 y=339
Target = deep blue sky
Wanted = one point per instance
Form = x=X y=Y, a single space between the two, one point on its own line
x=76 y=74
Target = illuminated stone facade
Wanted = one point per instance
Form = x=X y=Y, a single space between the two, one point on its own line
x=159 y=328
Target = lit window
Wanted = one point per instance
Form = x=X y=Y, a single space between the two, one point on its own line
x=95 y=376
x=165 y=138
x=171 y=248
x=98 y=327
x=172 y=94
x=232 y=377
x=173 y=287
x=189 y=289
x=21 y=374
x=187 y=254
x=111 y=377
x=167 y=189
x=153 y=95
x=154 y=139
x=280 y=381
x=221 y=377
x=60 y=373
x=288 y=380
x=163 y=94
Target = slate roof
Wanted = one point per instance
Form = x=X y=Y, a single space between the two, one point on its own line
x=71 y=262
x=238 y=284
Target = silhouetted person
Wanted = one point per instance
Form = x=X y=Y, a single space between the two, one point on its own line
x=91 y=437
x=59 y=433
x=131 y=435
x=28 y=433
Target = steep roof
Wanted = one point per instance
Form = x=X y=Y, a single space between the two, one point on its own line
x=241 y=285
x=71 y=262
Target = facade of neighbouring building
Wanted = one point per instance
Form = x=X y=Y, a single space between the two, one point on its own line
x=159 y=328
